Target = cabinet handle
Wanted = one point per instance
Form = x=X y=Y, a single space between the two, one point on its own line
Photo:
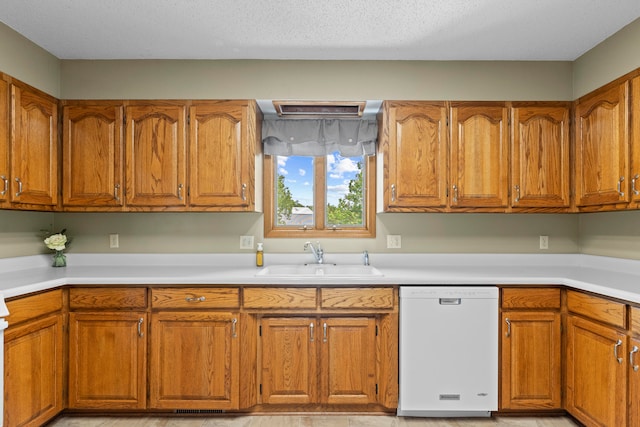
x=633 y=185
x=234 y=324
x=180 y=187
x=393 y=192
x=631 y=353
x=455 y=193
x=311 y=333
x=19 y=187
x=324 y=332
x=517 y=188
x=615 y=350
x=140 y=333
x=244 y=192
x=620 y=192
x=6 y=185
x=116 y=192
x=508 y=321
x=195 y=299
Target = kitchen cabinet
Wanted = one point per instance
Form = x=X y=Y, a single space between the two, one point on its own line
x=107 y=348
x=195 y=354
x=33 y=357
x=222 y=147
x=531 y=376
x=93 y=149
x=414 y=151
x=34 y=149
x=634 y=168
x=540 y=145
x=479 y=156
x=596 y=362
x=5 y=140
x=634 y=366
x=155 y=153
x=602 y=148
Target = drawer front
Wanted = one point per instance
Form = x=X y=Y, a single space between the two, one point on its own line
x=356 y=298
x=635 y=320
x=111 y=298
x=530 y=298
x=195 y=298
x=33 y=306
x=279 y=298
x=601 y=309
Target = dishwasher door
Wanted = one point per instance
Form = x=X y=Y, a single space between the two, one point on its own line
x=448 y=351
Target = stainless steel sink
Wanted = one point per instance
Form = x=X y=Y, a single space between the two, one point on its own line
x=316 y=271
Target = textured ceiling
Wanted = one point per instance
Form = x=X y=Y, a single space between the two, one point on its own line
x=319 y=29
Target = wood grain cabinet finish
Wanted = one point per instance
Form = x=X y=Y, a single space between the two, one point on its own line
x=479 y=156
x=415 y=155
x=34 y=360
x=34 y=148
x=5 y=142
x=155 y=155
x=93 y=150
x=194 y=360
x=531 y=355
x=602 y=147
x=634 y=168
x=222 y=144
x=540 y=145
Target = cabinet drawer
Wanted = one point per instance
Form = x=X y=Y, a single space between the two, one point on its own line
x=113 y=298
x=195 y=298
x=279 y=298
x=33 y=306
x=635 y=320
x=604 y=310
x=531 y=298
x=356 y=298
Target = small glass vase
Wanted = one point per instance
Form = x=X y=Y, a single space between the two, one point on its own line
x=59 y=259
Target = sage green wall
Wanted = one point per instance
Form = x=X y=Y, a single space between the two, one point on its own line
x=24 y=60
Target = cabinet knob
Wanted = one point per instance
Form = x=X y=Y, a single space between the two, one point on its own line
x=633 y=185
x=615 y=350
x=6 y=185
x=620 y=192
x=19 y=187
x=517 y=188
x=508 y=322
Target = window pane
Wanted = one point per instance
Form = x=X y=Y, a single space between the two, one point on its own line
x=345 y=195
x=294 y=191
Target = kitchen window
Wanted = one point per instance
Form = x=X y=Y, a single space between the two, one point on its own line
x=318 y=189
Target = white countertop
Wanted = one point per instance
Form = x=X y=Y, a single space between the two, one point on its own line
x=618 y=278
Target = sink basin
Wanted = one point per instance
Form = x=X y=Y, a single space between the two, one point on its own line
x=316 y=271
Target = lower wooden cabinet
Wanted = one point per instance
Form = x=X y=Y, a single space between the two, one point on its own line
x=33 y=372
x=194 y=360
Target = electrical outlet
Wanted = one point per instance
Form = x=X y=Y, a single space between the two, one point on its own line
x=544 y=242
x=114 y=241
x=246 y=242
x=394 y=241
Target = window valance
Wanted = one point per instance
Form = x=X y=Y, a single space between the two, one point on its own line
x=319 y=137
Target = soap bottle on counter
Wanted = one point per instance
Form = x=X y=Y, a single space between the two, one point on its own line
x=259 y=256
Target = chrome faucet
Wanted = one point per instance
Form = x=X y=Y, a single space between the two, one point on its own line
x=317 y=252
x=365 y=255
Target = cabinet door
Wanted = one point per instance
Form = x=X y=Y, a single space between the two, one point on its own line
x=634 y=382
x=540 y=156
x=417 y=162
x=531 y=360
x=107 y=360
x=194 y=360
x=289 y=360
x=634 y=170
x=4 y=140
x=602 y=148
x=596 y=373
x=479 y=155
x=222 y=150
x=156 y=155
x=348 y=360
x=33 y=372
x=92 y=155
x=34 y=148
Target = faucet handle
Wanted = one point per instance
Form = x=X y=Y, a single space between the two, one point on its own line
x=366 y=257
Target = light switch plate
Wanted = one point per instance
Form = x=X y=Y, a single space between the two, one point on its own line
x=114 y=241
x=246 y=242
x=394 y=241
x=544 y=242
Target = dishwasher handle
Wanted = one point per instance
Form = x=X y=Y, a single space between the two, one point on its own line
x=450 y=301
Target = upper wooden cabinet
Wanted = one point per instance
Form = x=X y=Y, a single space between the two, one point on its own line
x=156 y=173
x=540 y=145
x=92 y=144
x=602 y=147
x=222 y=145
x=415 y=155
x=479 y=155
x=634 y=169
x=5 y=133
x=34 y=148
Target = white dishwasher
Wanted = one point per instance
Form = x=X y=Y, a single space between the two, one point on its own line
x=448 y=351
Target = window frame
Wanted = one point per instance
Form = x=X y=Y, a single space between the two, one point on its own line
x=320 y=230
